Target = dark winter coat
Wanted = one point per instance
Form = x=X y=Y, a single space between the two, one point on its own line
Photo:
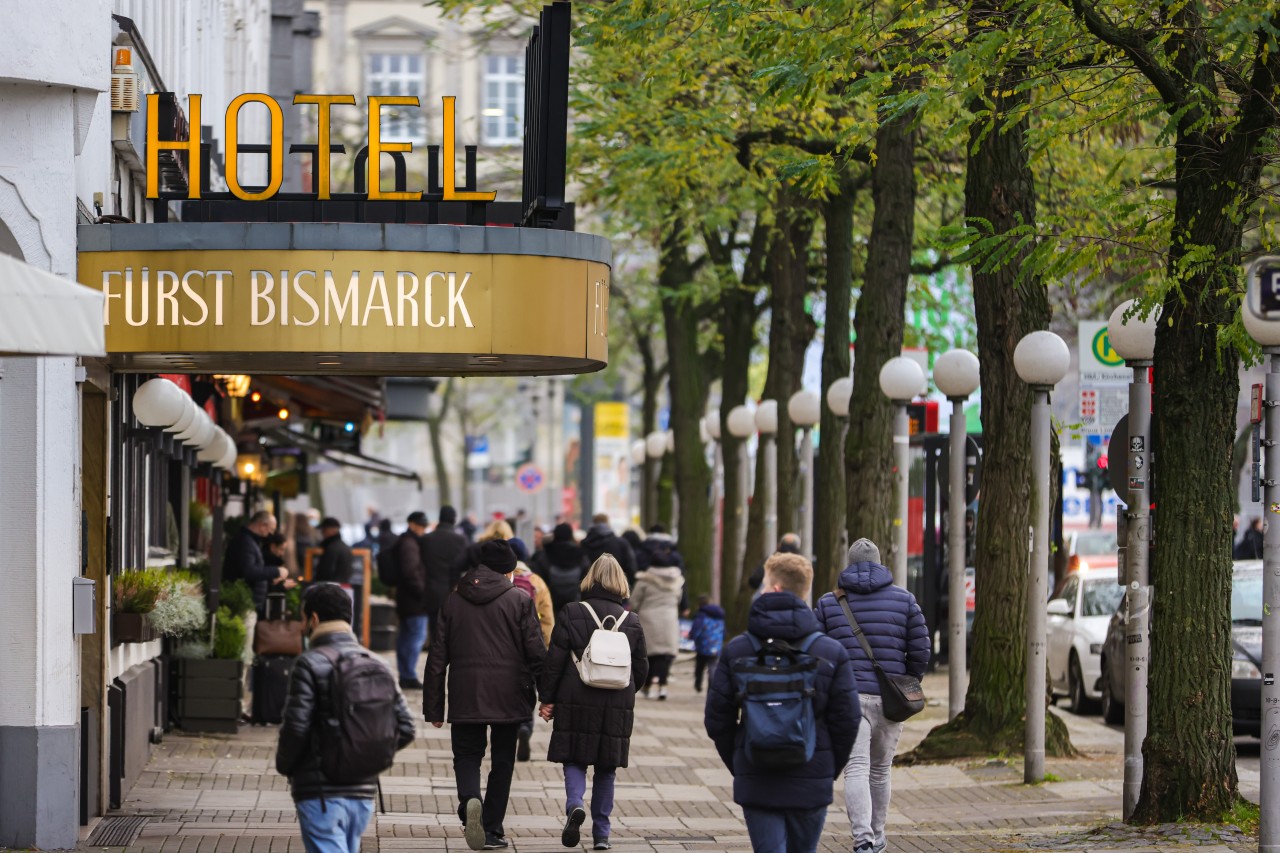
x=890 y=619
x=411 y=586
x=592 y=725
x=562 y=564
x=707 y=631
x=441 y=549
x=781 y=615
x=487 y=640
x=334 y=565
x=244 y=561
x=602 y=540
x=308 y=704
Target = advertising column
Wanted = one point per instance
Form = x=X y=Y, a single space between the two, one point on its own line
x=613 y=462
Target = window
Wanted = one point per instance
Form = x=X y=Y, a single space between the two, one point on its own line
x=503 y=100
x=399 y=74
x=1071 y=590
x=1101 y=597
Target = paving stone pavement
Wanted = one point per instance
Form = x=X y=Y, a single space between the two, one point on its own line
x=220 y=794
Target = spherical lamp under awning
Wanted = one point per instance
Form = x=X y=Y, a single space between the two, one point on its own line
x=741 y=421
x=159 y=403
x=804 y=408
x=1132 y=337
x=1042 y=359
x=957 y=373
x=767 y=417
x=838 y=396
x=901 y=378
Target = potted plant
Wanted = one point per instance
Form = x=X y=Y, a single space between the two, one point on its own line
x=208 y=670
x=134 y=595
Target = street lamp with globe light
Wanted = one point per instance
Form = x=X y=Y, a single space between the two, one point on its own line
x=767 y=426
x=901 y=379
x=655 y=448
x=957 y=374
x=805 y=408
x=711 y=425
x=741 y=423
x=1041 y=359
x=1134 y=339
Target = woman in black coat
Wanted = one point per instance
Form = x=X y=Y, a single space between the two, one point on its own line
x=592 y=725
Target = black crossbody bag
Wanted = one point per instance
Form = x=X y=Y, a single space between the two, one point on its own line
x=901 y=696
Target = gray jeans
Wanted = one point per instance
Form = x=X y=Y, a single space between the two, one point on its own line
x=868 y=775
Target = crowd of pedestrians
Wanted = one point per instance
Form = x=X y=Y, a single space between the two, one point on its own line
x=572 y=633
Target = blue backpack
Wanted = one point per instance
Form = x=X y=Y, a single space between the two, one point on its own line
x=775 y=690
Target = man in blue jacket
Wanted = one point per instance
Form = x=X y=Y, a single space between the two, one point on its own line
x=785 y=810
x=895 y=629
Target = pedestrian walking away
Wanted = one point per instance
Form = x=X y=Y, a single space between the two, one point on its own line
x=533 y=586
x=562 y=564
x=657 y=601
x=332 y=791
x=707 y=634
x=601 y=540
x=895 y=630
x=486 y=656
x=591 y=725
x=334 y=565
x=411 y=599
x=782 y=710
x=441 y=550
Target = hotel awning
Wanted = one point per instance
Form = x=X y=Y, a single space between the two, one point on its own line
x=43 y=314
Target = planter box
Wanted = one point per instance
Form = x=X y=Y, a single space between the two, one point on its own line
x=131 y=628
x=207 y=694
x=383 y=625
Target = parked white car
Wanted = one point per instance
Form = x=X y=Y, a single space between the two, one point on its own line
x=1078 y=620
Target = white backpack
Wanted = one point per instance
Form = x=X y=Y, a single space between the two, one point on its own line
x=606 y=661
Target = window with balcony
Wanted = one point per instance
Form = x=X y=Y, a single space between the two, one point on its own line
x=503 y=110
x=399 y=74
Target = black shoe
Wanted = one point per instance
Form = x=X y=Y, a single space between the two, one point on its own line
x=410 y=684
x=601 y=844
x=522 y=744
x=474 y=830
x=571 y=834
x=495 y=842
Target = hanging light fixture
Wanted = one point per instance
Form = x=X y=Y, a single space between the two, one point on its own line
x=237 y=384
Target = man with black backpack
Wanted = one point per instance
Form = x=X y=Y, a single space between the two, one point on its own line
x=410 y=581
x=344 y=721
x=783 y=712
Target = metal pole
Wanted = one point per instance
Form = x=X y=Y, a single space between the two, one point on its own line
x=717 y=521
x=769 y=449
x=957 y=653
x=1269 y=795
x=806 y=507
x=1033 y=754
x=1137 y=558
x=740 y=541
x=901 y=461
x=184 y=514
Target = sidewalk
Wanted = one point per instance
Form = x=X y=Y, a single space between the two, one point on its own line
x=220 y=794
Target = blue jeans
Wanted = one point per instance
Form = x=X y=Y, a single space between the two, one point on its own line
x=333 y=824
x=575 y=787
x=789 y=831
x=413 y=633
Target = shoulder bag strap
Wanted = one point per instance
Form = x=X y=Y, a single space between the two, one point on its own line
x=857 y=630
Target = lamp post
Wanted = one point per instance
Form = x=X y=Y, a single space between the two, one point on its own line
x=1262 y=322
x=639 y=453
x=957 y=374
x=711 y=423
x=835 y=528
x=805 y=408
x=655 y=448
x=1041 y=359
x=1134 y=340
x=901 y=379
x=767 y=426
x=741 y=423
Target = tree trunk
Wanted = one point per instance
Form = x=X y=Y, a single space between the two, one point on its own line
x=829 y=483
x=651 y=378
x=878 y=325
x=1009 y=303
x=1189 y=768
x=688 y=382
x=444 y=494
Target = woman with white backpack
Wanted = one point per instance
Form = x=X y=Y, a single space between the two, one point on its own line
x=595 y=663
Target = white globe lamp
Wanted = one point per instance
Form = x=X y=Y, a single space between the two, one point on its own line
x=956 y=373
x=712 y=421
x=656 y=445
x=838 y=396
x=741 y=421
x=1042 y=359
x=804 y=408
x=671 y=441
x=767 y=417
x=638 y=452
x=901 y=378
x=158 y=403
x=1133 y=337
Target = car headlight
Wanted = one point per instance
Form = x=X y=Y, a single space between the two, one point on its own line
x=1095 y=648
x=1244 y=669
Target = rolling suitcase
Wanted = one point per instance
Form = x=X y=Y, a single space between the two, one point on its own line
x=270 y=688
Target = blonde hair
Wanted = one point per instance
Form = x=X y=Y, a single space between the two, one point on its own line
x=497 y=529
x=606 y=572
x=792 y=572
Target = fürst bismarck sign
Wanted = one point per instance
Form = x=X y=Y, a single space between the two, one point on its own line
x=354 y=298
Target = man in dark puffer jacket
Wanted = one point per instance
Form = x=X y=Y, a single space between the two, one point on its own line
x=895 y=629
x=785 y=810
x=332 y=816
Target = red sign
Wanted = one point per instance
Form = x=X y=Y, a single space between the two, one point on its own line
x=1255 y=405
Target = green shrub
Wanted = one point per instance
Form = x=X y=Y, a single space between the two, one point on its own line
x=229 y=635
x=237 y=598
x=180 y=611
x=293 y=602
x=137 y=590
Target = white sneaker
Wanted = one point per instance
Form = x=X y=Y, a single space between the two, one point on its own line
x=662 y=693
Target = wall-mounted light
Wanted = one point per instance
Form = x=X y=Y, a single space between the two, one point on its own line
x=255 y=397
x=237 y=384
x=283 y=414
x=249 y=468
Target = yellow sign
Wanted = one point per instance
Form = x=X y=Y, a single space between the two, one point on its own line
x=323 y=104
x=613 y=420
x=358 y=311
x=1104 y=352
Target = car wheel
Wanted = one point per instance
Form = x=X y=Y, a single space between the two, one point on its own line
x=1112 y=710
x=1080 y=703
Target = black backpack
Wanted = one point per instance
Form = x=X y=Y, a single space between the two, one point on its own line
x=389 y=565
x=564 y=584
x=361 y=733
